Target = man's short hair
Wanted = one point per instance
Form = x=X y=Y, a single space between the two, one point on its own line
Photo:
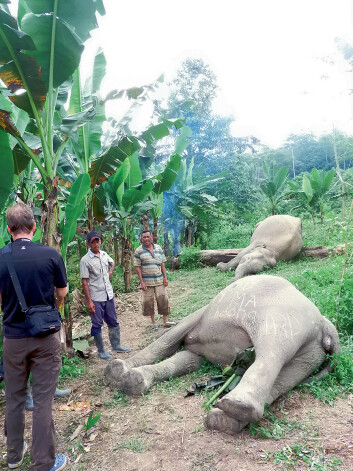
x=20 y=218
x=145 y=231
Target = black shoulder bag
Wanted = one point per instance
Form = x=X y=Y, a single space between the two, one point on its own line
x=40 y=320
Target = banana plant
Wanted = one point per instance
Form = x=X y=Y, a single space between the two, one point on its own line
x=165 y=179
x=188 y=201
x=40 y=52
x=312 y=193
x=273 y=185
x=127 y=193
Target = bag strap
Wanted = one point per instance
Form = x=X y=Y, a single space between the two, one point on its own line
x=6 y=252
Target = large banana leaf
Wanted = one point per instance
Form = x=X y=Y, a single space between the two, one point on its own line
x=155 y=133
x=280 y=177
x=166 y=179
x=74 y=208
x=307 y=188
x=328 y=180
x=87 y=141
x=6 y=167
x=66 y=52
x=98 y=203
x=71 y=123
x=118 y=181
x=19 y=71
x=136 y=195
x=107 y=163
x=183 y=140
x=82 y=11
x=135 y=175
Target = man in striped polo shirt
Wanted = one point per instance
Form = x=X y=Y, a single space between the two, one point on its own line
x=149 y=260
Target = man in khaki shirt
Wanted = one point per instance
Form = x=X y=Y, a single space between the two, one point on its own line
x=96 y=271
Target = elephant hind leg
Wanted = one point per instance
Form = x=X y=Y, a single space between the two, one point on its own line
x=299 y=368
x=216 y=419
x=138 y=380
x=247 y=400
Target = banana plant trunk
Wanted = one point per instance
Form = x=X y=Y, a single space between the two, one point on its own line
x=50 y=217
x=116 y=248
x=190 y=234
x=166 y=244
x=145 y=221
x=68 y=323
x=127 y=250
x=155 y=231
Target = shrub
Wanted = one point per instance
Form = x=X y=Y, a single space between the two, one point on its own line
x=190 y=258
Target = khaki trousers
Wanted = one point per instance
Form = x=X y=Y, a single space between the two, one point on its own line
x=42 y=358
x=160 y=294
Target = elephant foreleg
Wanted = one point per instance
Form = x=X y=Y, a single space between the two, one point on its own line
x=136 y=381
x=164 y=347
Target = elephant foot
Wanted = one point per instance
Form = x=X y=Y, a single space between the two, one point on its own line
x=114 y=374
x=240 y=409
x=136 y=383
x=218 y=420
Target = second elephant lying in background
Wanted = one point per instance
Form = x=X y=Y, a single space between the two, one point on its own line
x=275 y=238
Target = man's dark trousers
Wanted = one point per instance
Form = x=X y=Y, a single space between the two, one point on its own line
x=42 y=358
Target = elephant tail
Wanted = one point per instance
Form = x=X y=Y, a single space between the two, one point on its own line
x=331 y=345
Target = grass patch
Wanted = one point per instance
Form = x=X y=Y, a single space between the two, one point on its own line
x=274 y=428
x=295 y=456
x=118 y=400
x=202 y=285
x=133 y=444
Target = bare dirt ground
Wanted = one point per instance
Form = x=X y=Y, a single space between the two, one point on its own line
x=164 y=430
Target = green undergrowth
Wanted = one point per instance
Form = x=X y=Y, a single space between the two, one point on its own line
x=296 y=456
x=71 y=367
x=339 y=381
x=74 y=278
x=273 y=427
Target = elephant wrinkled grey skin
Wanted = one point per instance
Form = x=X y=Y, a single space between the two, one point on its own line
x=290 y=337
x=275 y=238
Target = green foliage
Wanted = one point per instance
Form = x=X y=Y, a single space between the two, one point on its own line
x=73 y=209
x=273 y=184
x=294 y=456
x=340 y=381
x=226 y=232
x=312 y=194
x=91 y=421
x=273 y=428
x=71 y=367
x=189 y=258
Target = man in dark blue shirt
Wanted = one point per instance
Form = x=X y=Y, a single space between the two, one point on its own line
x=42 y=277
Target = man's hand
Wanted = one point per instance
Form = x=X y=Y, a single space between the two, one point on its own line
x=91 y=307
x=165 y=282
x=143 y=285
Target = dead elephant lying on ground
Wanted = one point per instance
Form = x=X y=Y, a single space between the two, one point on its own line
x=290 y=337
x=275 y=238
